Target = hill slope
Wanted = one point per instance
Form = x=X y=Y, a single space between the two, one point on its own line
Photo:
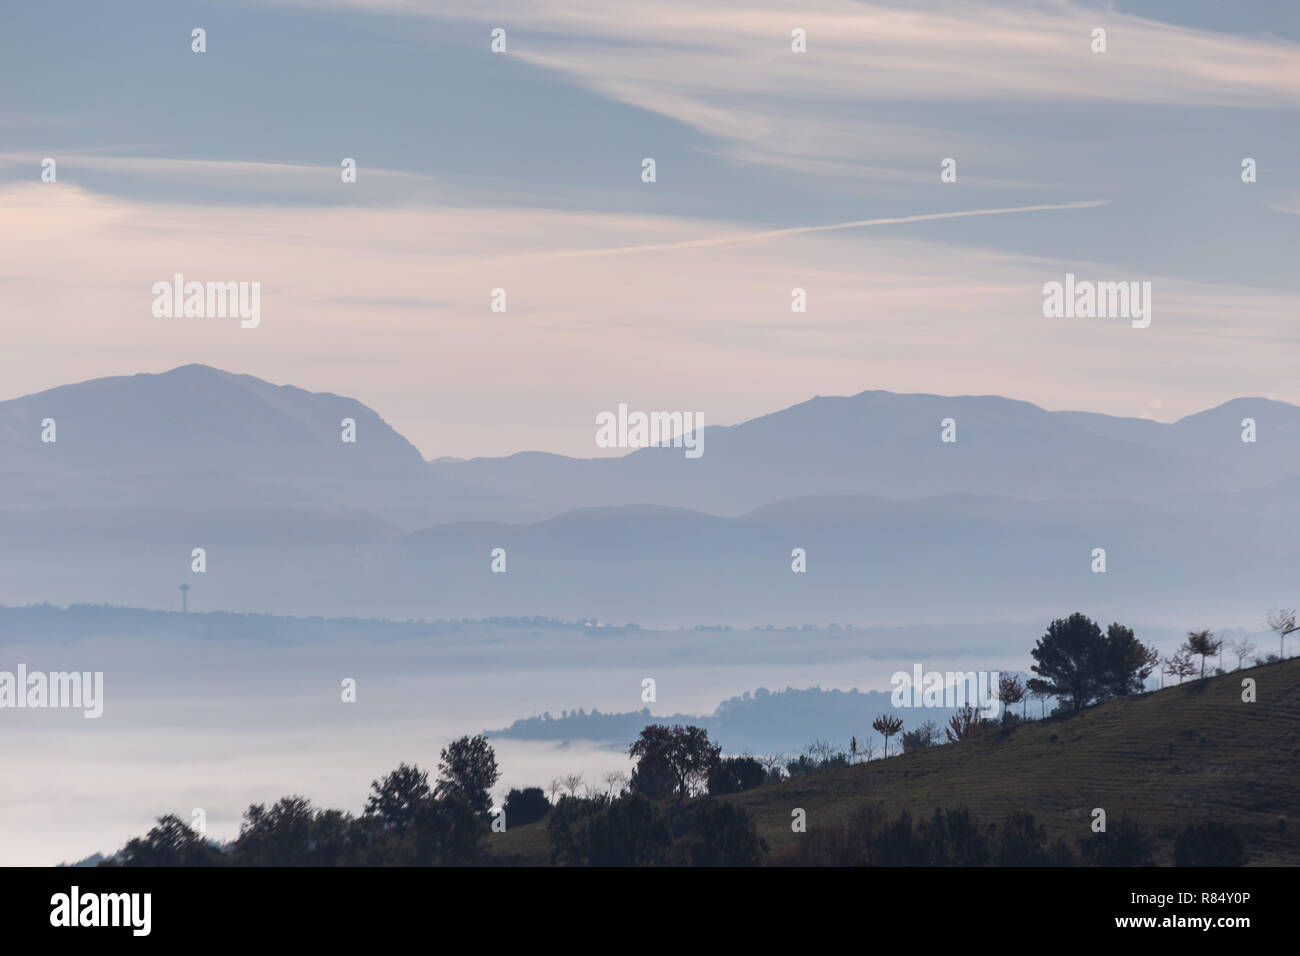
x=1182 y=755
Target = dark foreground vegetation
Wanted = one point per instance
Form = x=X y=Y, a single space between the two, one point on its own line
x=1198 y=774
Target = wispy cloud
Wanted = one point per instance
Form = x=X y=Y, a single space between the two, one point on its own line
x=769 y=234
x=285 y=180
x=392 y=305
x=726 y=68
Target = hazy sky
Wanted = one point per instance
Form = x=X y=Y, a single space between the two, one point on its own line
x=522 y=171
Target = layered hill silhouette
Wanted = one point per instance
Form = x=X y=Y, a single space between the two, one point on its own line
x=781 y=721
x=880 y=443
x=895 y=524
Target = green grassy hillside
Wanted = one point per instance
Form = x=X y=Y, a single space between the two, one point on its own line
x=1168 y=759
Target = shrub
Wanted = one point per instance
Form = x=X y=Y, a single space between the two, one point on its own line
x=736 y=774
x=1124 y=843
x=1209 y=844
x=715 y=833
x=627 y=831
x=525 y=806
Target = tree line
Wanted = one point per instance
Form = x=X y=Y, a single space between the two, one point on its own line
x=665 y=813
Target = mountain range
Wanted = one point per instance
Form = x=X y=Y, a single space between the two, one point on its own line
x=894 y=522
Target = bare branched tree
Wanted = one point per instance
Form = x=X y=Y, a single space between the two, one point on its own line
x=1282 y=623
x=821 y=750
x=1243 y=649
x=965 y=723
x=774 y=764
x=1180 y=665
x=615 y=781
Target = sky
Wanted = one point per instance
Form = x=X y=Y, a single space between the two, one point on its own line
x=775 y=170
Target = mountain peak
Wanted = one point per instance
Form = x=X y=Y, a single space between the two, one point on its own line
x=196 y=418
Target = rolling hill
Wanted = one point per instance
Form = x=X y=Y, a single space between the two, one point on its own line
x=1183 y=755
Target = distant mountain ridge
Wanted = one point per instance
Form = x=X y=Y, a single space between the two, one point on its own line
x=886 y=444
x=896 y=524
x=121 y=438
x=278 y=442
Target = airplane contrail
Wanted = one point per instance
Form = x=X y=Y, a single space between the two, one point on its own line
x=800 y=230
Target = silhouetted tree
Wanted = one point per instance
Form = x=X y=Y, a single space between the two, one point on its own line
x=171 y=843
x=966 y=722
x=278 y=836
x=450 y=831
x=615 y=783
x=774 y=764
x=334 y=839
x=921 y=737
x=653 y=777
x=1203 y=644
x=801 y=765
x=1242 y=648
x=1010 y=691
x=1079 y=664
x=628 y=831
x=1180 y=665
x=468 y=769
x=293 y=833
x=823 y=751
x=887 y=725
x=684 y=752
x=525 y=806
x=395 y=801
x=1071 y=661
x=1128 y=663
